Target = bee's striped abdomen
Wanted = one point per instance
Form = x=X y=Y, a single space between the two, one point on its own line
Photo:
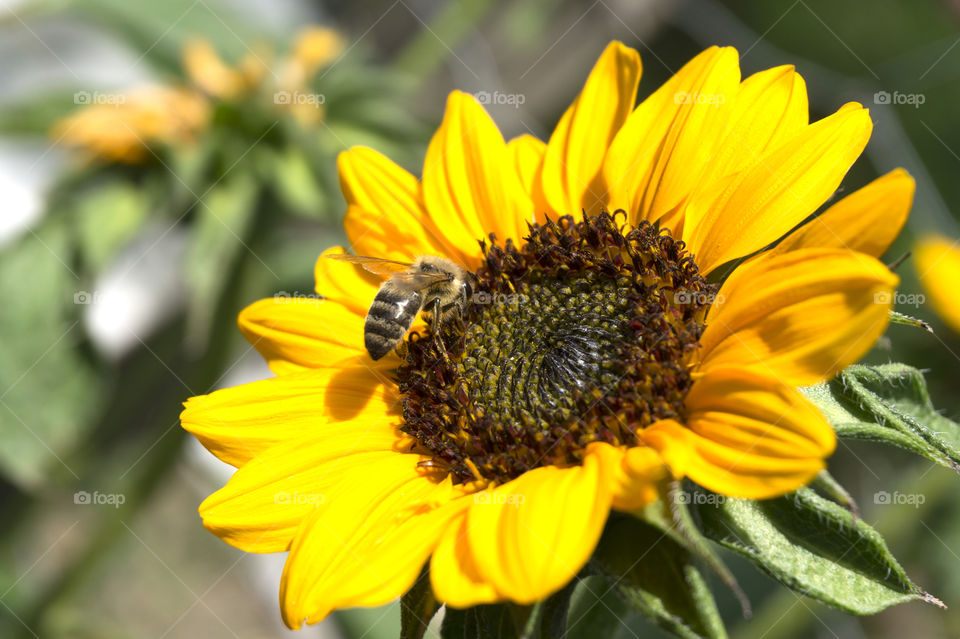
x=389 y=319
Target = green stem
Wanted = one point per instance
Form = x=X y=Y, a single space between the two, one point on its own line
x=432 y=45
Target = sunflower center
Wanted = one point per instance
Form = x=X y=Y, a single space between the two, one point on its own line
x=583 y=334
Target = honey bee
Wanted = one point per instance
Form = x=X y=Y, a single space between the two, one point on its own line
x=431 y=284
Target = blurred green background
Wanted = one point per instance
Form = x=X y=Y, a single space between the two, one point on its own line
x=121 y=280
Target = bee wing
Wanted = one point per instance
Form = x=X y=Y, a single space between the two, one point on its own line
x=376 y=265
x=417 y=281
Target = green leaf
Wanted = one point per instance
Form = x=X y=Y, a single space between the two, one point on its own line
x=218 y=238
x=50 y=390
x=296 y=185
x=369 y=623
x=190 y=168
x=671 y=515
x=656 y=576
x=37 y=113
x=417 y=608
x=108 y=217
x=139 y=24
x=888 y=404
x=813 y=546
x=494 y=620
x=447 y=27
x=549 y=618
x=595 y=605
x=829 y=486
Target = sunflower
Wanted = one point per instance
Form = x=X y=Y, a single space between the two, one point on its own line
x=599 y=359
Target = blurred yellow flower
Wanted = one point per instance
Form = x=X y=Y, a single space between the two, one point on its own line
x=207 y=70
x=123 y=129
x=315 y=48
x=938 y=267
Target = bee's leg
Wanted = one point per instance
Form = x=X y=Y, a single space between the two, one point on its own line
x=435 y=325
x=435 y=313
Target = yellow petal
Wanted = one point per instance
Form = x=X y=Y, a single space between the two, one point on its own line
x=527 y=152
x=747 y=435
x=740 y=408
x=239 y=423
x=367 y=545
x=385 y=212
x=770 y=107
x=868 y=220
x=800 y=316
x=776 y=193
x=466 y=189
x=263 y=504
x=578 y=145
x=656 y=158
x=938 y=267
x=634 y=474
x=207 y=70
x=530 y=536
x=316 y=47
x=295 y=333
x=454 y=574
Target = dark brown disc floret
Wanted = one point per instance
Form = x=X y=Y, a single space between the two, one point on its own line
x=584 y=333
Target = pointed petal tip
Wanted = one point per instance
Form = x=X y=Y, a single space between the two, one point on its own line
x=930 y=599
